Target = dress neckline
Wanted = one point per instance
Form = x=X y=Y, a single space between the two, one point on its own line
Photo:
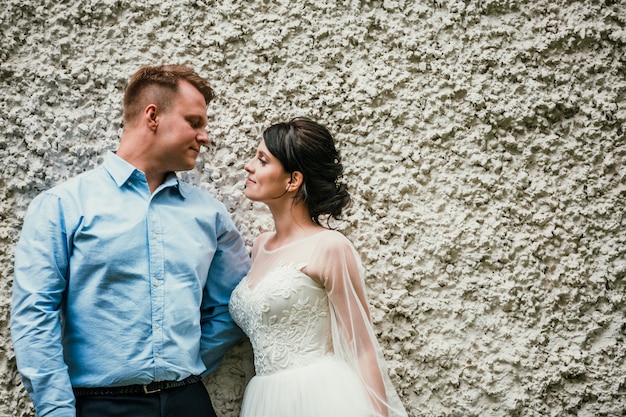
x=287 y=245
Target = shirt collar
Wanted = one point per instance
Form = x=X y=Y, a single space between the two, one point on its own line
x=122 y=171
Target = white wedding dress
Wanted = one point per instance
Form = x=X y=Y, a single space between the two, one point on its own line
x=304 y=308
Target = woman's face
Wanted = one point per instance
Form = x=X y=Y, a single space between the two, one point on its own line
x=267 y=179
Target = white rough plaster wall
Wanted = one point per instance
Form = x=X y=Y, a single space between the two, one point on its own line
x=484 y=143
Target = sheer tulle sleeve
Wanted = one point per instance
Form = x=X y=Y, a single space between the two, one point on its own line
x=339 y=268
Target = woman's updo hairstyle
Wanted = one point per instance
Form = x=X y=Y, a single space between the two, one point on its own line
x=307 y=146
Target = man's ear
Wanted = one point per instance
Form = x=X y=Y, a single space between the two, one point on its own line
x=150 y=116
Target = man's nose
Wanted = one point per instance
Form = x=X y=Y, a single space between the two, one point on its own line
x=203 y=137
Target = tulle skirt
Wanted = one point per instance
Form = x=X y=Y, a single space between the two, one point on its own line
x=325 y=388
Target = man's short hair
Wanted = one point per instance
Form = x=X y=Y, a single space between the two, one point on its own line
x=159 y=85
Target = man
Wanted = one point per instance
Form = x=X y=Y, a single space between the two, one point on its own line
x=123 y=274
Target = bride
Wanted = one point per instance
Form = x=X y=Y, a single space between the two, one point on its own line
x=303 y=304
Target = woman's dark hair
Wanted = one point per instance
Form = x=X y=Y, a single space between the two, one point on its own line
x=306 y=146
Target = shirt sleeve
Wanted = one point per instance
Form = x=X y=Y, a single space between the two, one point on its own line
x=39 y=284
x=230 y=264
x=353 y=335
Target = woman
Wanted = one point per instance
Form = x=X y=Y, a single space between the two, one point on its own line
x=303 y=303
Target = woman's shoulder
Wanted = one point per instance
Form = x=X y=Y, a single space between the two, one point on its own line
x=333 y=256
x=333 y=240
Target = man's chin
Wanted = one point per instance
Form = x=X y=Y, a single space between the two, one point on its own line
x=191 y=165
x=183 y=168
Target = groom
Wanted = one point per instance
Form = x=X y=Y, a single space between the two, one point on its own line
x=123 y=274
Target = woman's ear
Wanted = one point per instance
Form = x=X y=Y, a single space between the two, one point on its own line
x=296 y=181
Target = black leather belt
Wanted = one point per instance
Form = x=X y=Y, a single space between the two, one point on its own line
x=150 y=388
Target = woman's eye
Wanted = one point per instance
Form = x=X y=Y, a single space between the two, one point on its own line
x=262 y=161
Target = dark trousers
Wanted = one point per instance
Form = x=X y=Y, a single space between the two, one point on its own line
x=187 y=401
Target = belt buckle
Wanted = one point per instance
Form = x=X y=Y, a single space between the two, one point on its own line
x=146 y=390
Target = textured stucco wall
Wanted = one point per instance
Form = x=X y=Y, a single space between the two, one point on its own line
x=485 y=148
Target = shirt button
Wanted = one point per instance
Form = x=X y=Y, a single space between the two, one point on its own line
x=156 y=283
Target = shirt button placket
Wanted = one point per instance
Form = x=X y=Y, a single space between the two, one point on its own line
x=156 y=254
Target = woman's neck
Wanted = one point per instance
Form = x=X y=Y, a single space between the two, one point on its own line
x=291 y=223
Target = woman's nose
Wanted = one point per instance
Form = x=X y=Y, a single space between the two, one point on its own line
x=247 y=166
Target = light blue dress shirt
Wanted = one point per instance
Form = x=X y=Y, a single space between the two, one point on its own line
x=116 y=286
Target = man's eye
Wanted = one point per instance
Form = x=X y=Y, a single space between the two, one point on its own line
x=195 y=123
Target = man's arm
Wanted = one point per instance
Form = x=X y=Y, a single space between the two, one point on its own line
x=39 y=287
x=230 y=264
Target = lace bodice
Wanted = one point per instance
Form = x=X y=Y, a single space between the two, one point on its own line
x=285 y=316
